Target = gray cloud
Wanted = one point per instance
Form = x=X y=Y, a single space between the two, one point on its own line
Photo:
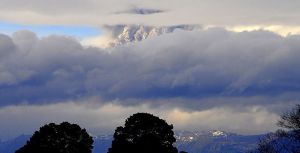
x=103 y=119
x=198 y=64
x=207 y=12
x=247 y=78
x=6 y=46
x=141 y=11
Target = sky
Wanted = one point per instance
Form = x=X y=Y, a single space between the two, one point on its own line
x=237 y=73
x=45 y=30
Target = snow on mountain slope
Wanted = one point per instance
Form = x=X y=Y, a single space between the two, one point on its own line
x=215 y=142
x=192 y=142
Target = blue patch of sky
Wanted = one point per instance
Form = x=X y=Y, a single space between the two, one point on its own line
x=45 y=30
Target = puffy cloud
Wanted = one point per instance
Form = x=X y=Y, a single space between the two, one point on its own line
x=25 y=40
x=6 y=46
x=279 y=29
x=247 y=78
x=194 y=64
x=117 y=35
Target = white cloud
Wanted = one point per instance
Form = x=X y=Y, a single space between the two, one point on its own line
x=99 y=12
x=104 y=118
x=251 y=120
x=279 y=29
x=98 y=41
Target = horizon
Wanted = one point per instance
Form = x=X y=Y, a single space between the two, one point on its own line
x=177 y=134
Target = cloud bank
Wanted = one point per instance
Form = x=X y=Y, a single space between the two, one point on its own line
x=205 y=63
x=104 y=118
x=99 y=12
x=248 y=78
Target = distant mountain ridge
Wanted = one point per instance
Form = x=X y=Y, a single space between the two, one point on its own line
x=216 y=142
x=193 y=142
x=10 y=146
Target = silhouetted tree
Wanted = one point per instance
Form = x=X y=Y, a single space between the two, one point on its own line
x=283 y=141
x=62 y=138
x=291 y=121
x=144 y=133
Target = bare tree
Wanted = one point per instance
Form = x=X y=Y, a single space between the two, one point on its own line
x=283 y=141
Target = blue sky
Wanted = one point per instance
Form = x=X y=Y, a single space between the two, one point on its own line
x=45 y=30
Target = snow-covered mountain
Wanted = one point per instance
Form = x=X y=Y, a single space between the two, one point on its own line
x=215 y=142
x=188 y=136
x=192 y=142
x=124 y=34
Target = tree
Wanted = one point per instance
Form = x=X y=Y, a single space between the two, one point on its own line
x=291 y=121
x=62 y=138
x=144 y=133
x=283 y=141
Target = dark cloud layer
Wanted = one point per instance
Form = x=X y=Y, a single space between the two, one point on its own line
x=198 y=64
x=196 y=80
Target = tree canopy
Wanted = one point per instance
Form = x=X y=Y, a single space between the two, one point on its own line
x=144 y=133
x=291 y=121
x=62 y=138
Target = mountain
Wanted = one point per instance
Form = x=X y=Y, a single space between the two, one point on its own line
x=215 y=142
x=11 y=145
x=102 y=143
x=192 y=142
x=125 y=34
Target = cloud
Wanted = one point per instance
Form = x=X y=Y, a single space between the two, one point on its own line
x=116 y=35
x=206 y=12
x=103 y=119
x=6 y=46
x=195 y=64
x=141 y=11
x=279 y=29
x=248 y=78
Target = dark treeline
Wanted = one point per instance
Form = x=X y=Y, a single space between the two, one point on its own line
x=146 y=133
x=142 y=133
